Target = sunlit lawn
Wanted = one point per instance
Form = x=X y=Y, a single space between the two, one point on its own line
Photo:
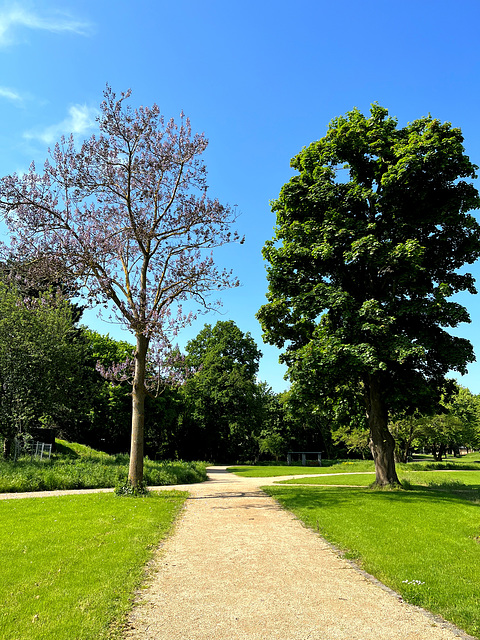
x=453 y=479
x=70 y=564
x=425 y=463
x=251 y=471
x=422 y=542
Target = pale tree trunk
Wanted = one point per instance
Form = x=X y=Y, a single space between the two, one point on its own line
x=6 y=448
x=381 y=442
x=135 y=471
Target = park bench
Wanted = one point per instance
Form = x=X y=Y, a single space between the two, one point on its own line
x=304 y=455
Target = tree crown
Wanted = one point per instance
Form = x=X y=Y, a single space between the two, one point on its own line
x=127 y=214
x=369 y=241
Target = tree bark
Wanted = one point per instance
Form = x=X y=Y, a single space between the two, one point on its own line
x=6 y=448
x=135 y=471
x=381 y=442
x=438 y=452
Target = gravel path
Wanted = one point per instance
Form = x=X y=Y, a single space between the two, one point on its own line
x=238 y=567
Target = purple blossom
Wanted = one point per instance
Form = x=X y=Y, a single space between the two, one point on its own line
x=128 y=217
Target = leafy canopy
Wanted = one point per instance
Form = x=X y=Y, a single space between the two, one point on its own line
x=369 y=242
x=41 y=355
x=223 y=402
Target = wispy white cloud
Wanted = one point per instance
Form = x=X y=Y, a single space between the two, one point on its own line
x=14 y=16
x=10 y=94
x=80 y=121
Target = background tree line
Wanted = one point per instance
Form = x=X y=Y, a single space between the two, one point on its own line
x=52 y=374
x=372 y=236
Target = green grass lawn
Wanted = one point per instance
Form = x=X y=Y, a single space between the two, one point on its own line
x=76 y=466
x=270 y=471
x=70 y=564
x=426 y=463
x=466 y=480
x=352 y=479
x=424 y=543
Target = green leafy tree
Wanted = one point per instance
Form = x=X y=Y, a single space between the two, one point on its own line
x=303 y=426
x=107 y=426
x=466 y=406
x=40 y=353
x=405 y=428
x=107 y=422
x=162 y=433
x=275 y=436
x=457 y=425
x=369 y=241
x=222 y=417
x=274 y=444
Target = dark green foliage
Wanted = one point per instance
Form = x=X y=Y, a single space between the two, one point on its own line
x=103 y=418
x=108 y=423
x=222 y=417
x=162 y=429
x=455 y=425
x=40 y=352
x=128 y=489
x=370 y=237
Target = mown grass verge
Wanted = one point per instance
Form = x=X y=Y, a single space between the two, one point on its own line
x=79 y=467
x=423 y=543
x=467 y=480
x=468 y=462
x=273 y=470
x=70 y=564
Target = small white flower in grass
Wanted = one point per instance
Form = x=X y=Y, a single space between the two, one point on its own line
x=417 y=582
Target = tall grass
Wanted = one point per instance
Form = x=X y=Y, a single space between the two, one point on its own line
x=79 y=467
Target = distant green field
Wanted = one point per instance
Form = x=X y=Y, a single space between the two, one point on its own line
x=260 y=471
x=470 y=461
x=349 y=479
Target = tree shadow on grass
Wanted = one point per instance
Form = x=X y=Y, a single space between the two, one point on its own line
x=311 y=497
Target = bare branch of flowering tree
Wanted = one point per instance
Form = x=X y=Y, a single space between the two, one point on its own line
x=166 y=367
x=128 y=216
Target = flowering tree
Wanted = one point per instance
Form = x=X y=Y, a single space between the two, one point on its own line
x=128 y=215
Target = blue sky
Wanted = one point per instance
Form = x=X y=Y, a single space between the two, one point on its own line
x=262 y=79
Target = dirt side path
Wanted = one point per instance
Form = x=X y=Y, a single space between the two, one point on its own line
x=238 y=567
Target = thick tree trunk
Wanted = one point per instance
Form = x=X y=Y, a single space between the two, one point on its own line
x=135 y=471
x=381 y=442
x=438 y=452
